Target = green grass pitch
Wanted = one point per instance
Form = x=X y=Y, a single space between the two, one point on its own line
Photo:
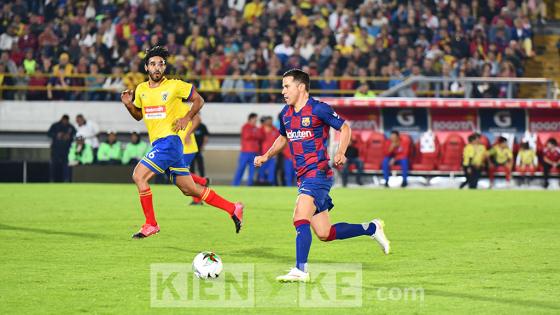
x=66 y=248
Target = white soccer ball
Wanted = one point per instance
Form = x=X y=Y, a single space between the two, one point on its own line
x=207 y=265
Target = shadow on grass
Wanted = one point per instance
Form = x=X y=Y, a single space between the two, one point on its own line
x=469 y=297
x=4 y=227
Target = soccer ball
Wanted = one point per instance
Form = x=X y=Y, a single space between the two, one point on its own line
x=207 y=265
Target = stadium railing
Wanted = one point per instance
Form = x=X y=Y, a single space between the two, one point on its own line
x=212 y=84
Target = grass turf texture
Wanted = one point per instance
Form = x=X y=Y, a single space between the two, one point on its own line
x=67 y=248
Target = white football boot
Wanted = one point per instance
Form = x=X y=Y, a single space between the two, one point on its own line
x=379 y=235
x=295 y=275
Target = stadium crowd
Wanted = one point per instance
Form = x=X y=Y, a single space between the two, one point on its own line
x=75 y=41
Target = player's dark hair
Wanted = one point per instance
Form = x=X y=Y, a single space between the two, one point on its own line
x=65 y=116
x=502 y=139
x=156 y=51
x=299 y=76
x=252 y=115
x=552 y=141
x=472 y=137
x=396 y=133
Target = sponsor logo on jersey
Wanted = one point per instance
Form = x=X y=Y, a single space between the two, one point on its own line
x=154 y=112
x=299 y=135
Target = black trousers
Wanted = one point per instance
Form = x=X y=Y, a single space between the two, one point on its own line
x=198 y=161
x=546 y=170
x=472 y=174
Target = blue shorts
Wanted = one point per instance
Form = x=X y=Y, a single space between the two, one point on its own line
x=319 y=189
x=188 y=158
x=166 y=157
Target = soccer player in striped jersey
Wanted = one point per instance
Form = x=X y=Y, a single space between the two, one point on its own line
x=159 y=101
x=305 y=128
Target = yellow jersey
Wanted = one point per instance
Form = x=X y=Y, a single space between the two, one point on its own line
x=501 y=155
x=190 y=146
x=474 y=155
x=526 y=157
x=162 y=105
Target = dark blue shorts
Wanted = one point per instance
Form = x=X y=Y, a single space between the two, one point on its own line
x=188 y=158
x=166 y=156
x=319 y=189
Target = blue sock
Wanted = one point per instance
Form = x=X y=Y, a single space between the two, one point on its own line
x=347 y=230
x=303 y=244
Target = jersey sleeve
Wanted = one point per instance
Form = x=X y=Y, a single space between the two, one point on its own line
x=184 y=90
x=328 y=115
x=282 y=128
x=137 y=100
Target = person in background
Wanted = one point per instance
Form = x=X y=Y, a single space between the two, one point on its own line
x=269 y=133
x=500 y=156
x=363 y=91
x=474 y=156
x=353 y=158
x=395 y=153
x=250 y=139
x=88 y=130
x=551 y=159
x=110 y=151
x=526 y=162
x=201 y=135
x=61 y=133
x=135 y=150
x=81 y=152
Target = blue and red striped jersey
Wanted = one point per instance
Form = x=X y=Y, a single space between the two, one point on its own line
x=307 y=132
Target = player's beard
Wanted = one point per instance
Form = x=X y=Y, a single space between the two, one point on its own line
x=156 y=76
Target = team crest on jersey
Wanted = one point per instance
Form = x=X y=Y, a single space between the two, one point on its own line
x=164 y=96
x=305 y=121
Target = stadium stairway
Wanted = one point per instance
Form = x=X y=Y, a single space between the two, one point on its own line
x=545 y=63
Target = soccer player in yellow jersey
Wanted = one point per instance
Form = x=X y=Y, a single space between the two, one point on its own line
x=474 y=155
x=501 y=158
x=527 y=162
x=190 y=149
x=159 y=102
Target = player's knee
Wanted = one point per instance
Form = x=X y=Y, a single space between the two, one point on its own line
x=323 y=235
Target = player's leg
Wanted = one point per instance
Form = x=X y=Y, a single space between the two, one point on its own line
x=141 y=175
x=491 y=171
x=241 y=164
x=386 y=170
x=404 y=167
x=508 y=167
x=326 y=232
x=188 y=187
x=188 y=159
x=303 y=213
x=250 y=159
x=271 y=169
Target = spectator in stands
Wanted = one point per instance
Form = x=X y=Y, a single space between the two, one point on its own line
x=135 y=150
x=500 y=156
x=363 y=91
x=250 y=148
x=474 y=156
x=551 y=159
x=88 y=130
x=61 y=133
x=526 y=162
x=269 y=133
x=201 y=135
x=110 y=151
x=80 y=153
x=232 y=88
x=353 y=158
x=395 y=154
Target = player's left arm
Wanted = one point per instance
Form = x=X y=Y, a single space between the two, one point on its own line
x=192 y=127
x=197 y=103
x=331 y=118
x=345 y=135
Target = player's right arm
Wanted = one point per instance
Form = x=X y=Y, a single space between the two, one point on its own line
x=276 y=148
x=126 y=99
